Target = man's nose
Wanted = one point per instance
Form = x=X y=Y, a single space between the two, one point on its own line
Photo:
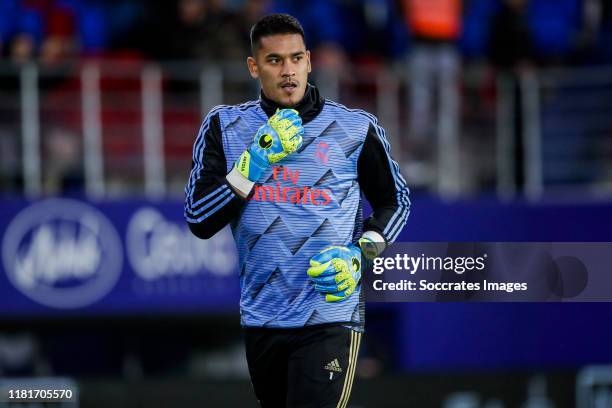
x=287 y=71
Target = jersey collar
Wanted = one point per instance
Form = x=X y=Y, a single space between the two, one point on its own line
x=309 y=107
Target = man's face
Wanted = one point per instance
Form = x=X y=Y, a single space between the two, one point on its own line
x=282 y=64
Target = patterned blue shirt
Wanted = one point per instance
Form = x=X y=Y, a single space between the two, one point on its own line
x=310 y=200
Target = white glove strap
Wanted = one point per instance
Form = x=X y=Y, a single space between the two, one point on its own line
x=377 y=239
x=241 y=184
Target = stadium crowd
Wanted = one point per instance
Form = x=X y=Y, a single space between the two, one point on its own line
x=436 y=42
x=358 y=31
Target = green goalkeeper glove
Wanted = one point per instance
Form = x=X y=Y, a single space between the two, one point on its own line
x=336 y=270
x=277 y=138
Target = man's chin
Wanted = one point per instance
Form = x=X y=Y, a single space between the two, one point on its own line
x=289 y=101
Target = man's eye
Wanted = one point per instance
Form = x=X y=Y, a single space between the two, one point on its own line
x=297 y=58
x=273 y=60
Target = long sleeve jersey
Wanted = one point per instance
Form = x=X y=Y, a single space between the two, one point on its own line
x=308 y=201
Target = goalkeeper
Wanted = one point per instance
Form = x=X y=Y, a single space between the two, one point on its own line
x=288 y=172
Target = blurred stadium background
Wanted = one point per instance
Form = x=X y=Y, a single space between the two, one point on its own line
x=499 y=111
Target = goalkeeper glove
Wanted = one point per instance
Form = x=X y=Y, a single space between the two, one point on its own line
x=336 y=270
x=280 y=136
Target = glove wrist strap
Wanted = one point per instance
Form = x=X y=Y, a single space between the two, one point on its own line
x=372 y=244
x=241 y=184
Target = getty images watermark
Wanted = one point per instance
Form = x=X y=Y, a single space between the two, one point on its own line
x=416 y=272
x=458 y=265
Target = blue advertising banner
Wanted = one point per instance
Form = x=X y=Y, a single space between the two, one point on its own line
x=66 y=256
x=71 y=257
x=63 y=256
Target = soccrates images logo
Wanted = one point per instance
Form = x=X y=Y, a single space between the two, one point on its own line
x=62 y=253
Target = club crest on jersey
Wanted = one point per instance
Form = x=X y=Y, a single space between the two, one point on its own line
x=321 y=152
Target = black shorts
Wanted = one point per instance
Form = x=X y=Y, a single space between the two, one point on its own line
x=306 y=367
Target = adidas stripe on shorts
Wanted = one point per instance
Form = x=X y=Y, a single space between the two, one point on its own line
x=307 y=367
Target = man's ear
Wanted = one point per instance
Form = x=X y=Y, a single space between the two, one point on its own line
x=308 y=59
x=253 y=70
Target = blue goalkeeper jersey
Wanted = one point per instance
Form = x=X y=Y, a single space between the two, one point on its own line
x=308 y=201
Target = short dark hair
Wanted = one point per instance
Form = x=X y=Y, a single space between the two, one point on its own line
x=273 y=24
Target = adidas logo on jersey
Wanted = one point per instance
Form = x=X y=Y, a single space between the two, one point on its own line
x=333 y=366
